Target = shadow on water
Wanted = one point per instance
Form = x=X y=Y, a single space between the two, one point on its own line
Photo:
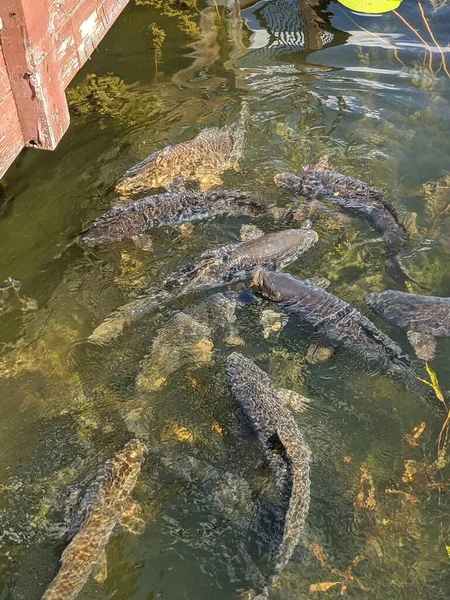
x=317 y=80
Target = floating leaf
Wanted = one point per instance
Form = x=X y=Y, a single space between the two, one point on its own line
x=371 y=6
x=448 y=551
x=323 y=587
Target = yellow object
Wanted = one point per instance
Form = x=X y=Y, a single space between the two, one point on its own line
x=373 y=7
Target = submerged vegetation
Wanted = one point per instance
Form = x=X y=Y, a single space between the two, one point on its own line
x=184 y=11
x=110 y=97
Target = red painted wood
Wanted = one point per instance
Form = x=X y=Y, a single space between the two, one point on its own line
x=29 y=53
x=11 y=139
x=44 y=44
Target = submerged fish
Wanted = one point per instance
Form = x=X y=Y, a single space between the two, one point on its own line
x=352 y=196
x=193 y=330
x=106 y=504
x=284 y=447
x=166 y=209
x=340 y=325
x=202 y=159
x=424 y=317
x=214 y=268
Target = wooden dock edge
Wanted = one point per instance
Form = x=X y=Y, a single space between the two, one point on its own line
x=43 y=44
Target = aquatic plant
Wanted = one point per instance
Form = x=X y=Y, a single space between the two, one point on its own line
x=437 y=201
x=158 y=36
x=109 y=96
x=184 y=11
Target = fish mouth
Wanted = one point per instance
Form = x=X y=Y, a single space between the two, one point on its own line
x=257 y=279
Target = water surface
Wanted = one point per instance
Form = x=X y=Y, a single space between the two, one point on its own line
x=319 y=80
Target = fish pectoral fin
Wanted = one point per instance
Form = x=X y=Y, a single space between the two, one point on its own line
x=100 y=570
x=134 y=525
x=131 y=519
x=143 y=242
x=424 y=344
x=293 y=399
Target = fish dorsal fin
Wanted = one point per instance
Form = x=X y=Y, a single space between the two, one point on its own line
x=250 y=232
x=324 y=164
x=100 y=570
x=293 y=399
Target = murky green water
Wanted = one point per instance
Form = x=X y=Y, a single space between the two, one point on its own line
x=319 y=80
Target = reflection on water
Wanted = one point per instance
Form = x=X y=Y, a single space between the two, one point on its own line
x=318 y=80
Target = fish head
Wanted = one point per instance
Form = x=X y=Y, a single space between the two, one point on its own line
x=278 y=287
x=288 y=180
x=265 y=283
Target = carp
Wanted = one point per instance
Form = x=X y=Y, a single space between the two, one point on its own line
x=341 y=325
x=423 y=317
x=215 y=268
x=202 y=159
x=352 y=196
x=284 y=447
x=106 y=503
x=171 y=208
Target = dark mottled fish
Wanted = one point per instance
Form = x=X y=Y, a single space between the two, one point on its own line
x=284 y=447
x=353 y=196
x=202 y=159
x=166 y=209
x=106 y=504
x=425 y=316
x=214 y=268
x=340 y=325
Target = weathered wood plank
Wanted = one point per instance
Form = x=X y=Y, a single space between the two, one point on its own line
x=11 y=139
x=44 y=44
x=82 y=31
x=29 y=54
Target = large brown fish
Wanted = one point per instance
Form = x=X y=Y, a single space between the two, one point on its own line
x=202 y=159
x=284 y=447
x=214 y=268
x=341 y=326
x=170 y=208
x=106 y=504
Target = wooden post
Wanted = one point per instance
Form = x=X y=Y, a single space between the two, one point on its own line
x=43 y=43
x=29 y=53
